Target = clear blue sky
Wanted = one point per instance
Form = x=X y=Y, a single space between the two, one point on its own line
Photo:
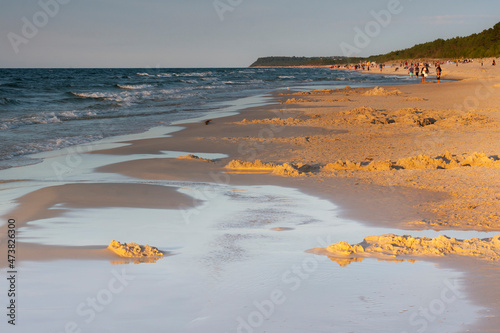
x=193 y=33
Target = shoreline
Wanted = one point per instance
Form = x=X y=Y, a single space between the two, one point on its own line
x=360 y=196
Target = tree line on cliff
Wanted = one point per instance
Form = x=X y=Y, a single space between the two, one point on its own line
x=480 y=45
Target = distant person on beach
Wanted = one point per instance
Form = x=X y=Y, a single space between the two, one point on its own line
x=381 y=66
x=425 y=72
x=494 y=63
x=411 y=72
x=438 y=72
x=417 y=71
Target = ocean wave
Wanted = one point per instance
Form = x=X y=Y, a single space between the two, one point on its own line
x=190 y=81
x=125 y=96
x=49 y=145
x=155 y=75
x=13 y=85
x=183 y=95
x=134 y=87
x=213 y=87
x=76 y=115
x=46 y=118
x=89 y=95
x=198 y=74
x=8 y=101
x=36 y=119
x=286 y=77
x=128 y=97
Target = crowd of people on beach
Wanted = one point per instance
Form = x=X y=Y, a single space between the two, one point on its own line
x=415 y=69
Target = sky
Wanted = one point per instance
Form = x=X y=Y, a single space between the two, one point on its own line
x=223 y=33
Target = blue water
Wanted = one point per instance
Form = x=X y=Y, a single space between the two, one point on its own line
x=48 y=109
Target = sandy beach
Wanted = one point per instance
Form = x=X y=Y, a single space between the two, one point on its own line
x=419 y=159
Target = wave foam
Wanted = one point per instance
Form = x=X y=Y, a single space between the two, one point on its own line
x=134 y=87
x=53 y=144
x=45 y=118
x=40 y=118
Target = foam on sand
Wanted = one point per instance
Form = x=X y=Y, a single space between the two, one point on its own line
x=393 y=246
x=134 y=250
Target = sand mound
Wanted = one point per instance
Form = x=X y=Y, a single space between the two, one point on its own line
x=444 y=161
x=349 y=165
x=257 y=165
x=364 y=114
x=285 y=169
x=379 y=91
x=274 y=121
x=194 y=157
x=296 y=100
x=391 y=246
x=427 y=162
x=133 y=250
x=448 y=161
x=467 y=119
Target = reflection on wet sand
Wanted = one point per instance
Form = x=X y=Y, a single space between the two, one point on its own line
x=343 y=262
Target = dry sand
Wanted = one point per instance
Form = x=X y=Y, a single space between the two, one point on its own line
x=422 y=156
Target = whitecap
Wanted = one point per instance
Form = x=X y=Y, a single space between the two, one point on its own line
x=134 y=87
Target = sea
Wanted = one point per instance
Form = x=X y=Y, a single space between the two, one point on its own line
x=50 y=109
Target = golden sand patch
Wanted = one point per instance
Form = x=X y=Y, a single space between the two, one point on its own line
x=379 y=91
x=369 y=115
x=349 y=165
x=392 y=246
x=467 y=119
x=448 y=161
x=444 y=161
x=296 y=100
x=285 y=169
x=134 y=250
